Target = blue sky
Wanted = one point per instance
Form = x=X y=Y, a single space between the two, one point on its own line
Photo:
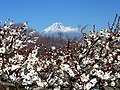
x=42 y=13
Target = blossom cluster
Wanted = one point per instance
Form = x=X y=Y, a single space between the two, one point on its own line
x=92 y=63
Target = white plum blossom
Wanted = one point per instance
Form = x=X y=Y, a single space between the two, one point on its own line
x=91 y=84
x=5 y=27
x=64 y=66
x=84 y=78
x=97 y=56
x=105 y=60
x=94 y=72
x=117 y=75
x=91 y=33
x=103 y=32
x=118 y=50
x=114 y=53
x=53 y=47
x=100 y=74
x=107 y=75
x=78 y=86
x=39 y=69
x=60 y=81
x=11 y=23
x=2 y=49
x=57 y=88
x=78 y=67
x=107 y=35
x=19 y=57
x=112 y=83
x=41 y=84
x=93 y=81
x=96 y=66
x=88 y=86
x=118 y=57
x=107 y=46
x=13 y=77
x=80 y=55
x=18 y=43
x=71 y=73
x=106 y=84
x=15 y=67
x=89 y=43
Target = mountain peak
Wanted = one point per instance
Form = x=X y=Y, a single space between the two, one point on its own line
x=57 y=25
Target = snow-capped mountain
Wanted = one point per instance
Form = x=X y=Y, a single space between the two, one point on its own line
x=59 y=30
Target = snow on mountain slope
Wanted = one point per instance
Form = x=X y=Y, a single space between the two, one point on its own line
x=59 y=30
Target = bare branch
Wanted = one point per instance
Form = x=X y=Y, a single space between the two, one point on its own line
x=88 y=50
x=81 y=28
x=6 y=84
x=113 y=22
x=94 y=27
x=109 y=25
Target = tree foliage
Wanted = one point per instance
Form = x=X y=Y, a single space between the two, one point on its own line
x=92 y=63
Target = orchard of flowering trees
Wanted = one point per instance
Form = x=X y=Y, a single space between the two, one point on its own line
x=93 y=63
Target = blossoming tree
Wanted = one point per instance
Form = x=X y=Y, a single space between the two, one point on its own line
x=92 y=63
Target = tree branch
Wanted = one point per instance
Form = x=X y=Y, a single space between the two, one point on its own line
x=88 y=50
x=6 y=84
